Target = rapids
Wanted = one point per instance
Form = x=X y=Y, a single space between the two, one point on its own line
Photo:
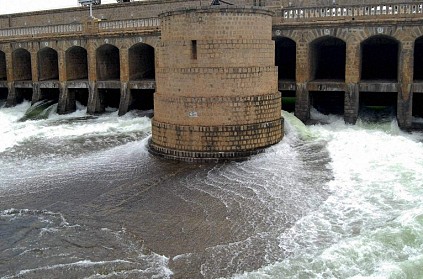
x=81 y=197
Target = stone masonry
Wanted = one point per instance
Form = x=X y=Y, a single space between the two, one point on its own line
x=217 y=95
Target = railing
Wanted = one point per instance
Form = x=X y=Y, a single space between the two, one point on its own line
x=78 y=28
x=354 y=11
x=129 y=24
x=41 y=30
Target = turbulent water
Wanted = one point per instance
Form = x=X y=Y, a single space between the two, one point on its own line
x=80 y=197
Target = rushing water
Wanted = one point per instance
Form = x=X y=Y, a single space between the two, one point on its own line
x=80 y=197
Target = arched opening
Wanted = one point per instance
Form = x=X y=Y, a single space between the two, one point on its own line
x=21 y=60
x=328 y=102
x=418 y=59
x=3 y=72
x=378 y=106
x=108 y=63
x=48 y=64
x=286 y=58
x=141 y=62
x=109 y=99
x=76 y=63
x=328 y=59
x=379 y=58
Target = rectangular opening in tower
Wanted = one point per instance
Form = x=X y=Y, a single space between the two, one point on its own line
x=194 y=49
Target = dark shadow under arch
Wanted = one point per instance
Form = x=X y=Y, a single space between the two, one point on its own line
x=108 y=63
x=76 y=63
x=286 y=58
x=141 y=62
x=48 y=64
x=328 y=58
x=379 y=58
x=21 y=65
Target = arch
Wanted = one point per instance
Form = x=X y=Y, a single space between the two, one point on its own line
x=286 y=58
x=141 y=62
x=21 y=60
x=379 y=58
x=76 y=63
x=328 y=56
x=418 y=59
x=48 y=64
x=108 y=63
x=3 y=71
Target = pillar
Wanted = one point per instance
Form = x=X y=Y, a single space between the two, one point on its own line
x=405 y=85
x=352 y=78
x=302 y=104
x=36 y=92
x=66 y=102
x=124 y=78
x=12 y=99
x=94 y=102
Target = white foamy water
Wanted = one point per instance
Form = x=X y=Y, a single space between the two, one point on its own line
x=15 y=133
x=371 y=226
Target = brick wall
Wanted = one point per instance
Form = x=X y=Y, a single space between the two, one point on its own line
x=217 y=92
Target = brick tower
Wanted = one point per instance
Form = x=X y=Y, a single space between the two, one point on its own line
x=217 y=93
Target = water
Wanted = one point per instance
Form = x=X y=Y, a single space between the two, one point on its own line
x=81 y=197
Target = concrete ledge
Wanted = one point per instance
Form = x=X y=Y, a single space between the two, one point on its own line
x=3 y=84
x=110 y=84
x=378 y=86
x=323 y=85
x=49 y=84
x=78 y=84
x=23 y=84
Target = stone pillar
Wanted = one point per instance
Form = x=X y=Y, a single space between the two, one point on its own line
x=302 y=104
x=352 y=78
x=94 y=102
x=124 y=78
x=36 y=92
x=125 y=98
x=12 y=99
x=405 y=84
x=66 y=103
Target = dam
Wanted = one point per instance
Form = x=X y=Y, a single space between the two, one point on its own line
x=82 y=197
x=335 y=56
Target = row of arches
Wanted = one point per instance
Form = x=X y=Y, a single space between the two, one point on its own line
x=379 y=58
x=140 y=60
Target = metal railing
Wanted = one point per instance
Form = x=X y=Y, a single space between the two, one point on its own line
x=392 y=10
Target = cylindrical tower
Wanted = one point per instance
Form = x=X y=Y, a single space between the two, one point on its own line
x=217 y=92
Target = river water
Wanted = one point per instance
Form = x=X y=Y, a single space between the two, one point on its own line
x=81 y=197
